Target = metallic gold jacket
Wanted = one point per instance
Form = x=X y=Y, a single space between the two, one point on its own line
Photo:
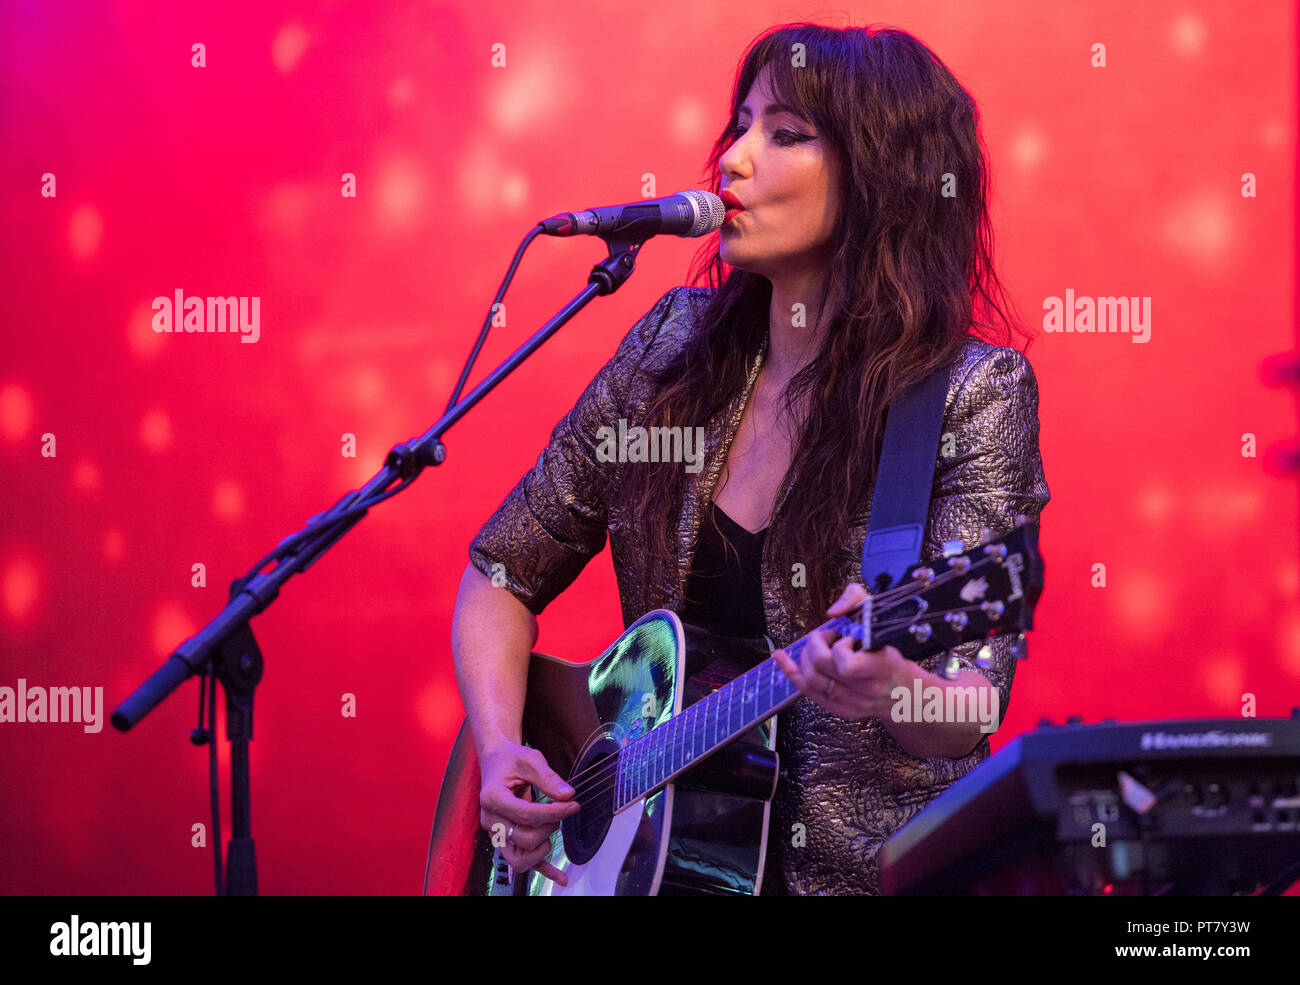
x=845 y=785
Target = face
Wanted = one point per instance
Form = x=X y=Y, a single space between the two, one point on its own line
x=783 y=172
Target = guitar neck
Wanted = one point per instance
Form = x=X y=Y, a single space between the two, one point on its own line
x=648 y=763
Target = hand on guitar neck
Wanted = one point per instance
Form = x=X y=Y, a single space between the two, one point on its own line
x=840 y=675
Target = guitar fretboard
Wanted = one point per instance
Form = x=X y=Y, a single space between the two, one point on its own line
x=733 y=709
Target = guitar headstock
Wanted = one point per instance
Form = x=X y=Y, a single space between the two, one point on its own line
x=985 y=591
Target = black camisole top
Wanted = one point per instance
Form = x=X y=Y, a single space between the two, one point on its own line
x=724 y=591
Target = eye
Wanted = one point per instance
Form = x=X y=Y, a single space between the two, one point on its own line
x=785 y=138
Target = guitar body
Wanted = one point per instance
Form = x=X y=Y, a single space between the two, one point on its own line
x=704 y=833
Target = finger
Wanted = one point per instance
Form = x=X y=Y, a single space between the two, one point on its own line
x=520 y=838
x=818 y=643
x=789 y=668
x=530 y=839
x=522 y=860
x=848 y=662
x=534 y=768
x=815 y=679
x=499 y=799
x=824 y=664
x=849 y=598
x=552 y=873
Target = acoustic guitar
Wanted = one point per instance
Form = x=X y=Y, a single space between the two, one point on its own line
x=675 y=776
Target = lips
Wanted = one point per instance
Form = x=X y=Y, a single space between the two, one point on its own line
x=733 y=204
x=730 y=200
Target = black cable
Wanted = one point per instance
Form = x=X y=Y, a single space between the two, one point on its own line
x=208 y=733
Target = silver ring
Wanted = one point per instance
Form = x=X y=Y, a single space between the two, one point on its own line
x=510 y=836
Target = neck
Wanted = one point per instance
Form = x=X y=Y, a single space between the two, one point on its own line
x=794 y=337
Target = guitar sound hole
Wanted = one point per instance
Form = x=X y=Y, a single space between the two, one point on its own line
x=593 y=782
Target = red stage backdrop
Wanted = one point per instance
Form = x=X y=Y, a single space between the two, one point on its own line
x=365 y=171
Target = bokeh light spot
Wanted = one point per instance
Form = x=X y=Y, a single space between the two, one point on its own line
x=114 y=544
x=1142 y=599
x=15 y=412
x=86 y=476
x=1223 y=677
x=156 y=430
x=1028 y=148
x=1154 y=504
x=368 y=387
x=1201 y=229
x=140 y=336
x=19 y=589
x=439 y=710
x=1188 y=34
x=401 y=91
x=287 y=48
x=533 y=91
x=172 y=626
x=85 y=232
x=228 y=500
x=687 y=122
x=401 y=193
x=1288 y=580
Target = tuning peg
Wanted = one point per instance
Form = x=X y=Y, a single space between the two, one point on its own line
x=1020 y=647
x=984 y=658
x=993 y=610
x=920 y=631
x=951 y=548
x=923 y=575
x=996 y=551
x=957 y=620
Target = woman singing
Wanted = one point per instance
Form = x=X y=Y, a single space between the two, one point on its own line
x=859 y=261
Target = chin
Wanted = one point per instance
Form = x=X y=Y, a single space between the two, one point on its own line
x=734 y=257
x=741 y=262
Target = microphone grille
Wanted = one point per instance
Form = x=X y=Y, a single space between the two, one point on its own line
x=709 y=212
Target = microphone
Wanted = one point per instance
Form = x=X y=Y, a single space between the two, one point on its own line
x=689 y=213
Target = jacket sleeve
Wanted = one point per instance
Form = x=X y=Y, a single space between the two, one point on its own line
x=554 y=520
x=994 y=472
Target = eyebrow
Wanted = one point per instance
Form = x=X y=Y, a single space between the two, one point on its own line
x=771 y=109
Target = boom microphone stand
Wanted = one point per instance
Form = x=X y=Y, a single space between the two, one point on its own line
x=226 y=647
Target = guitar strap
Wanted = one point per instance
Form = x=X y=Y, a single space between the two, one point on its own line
x=904 y=479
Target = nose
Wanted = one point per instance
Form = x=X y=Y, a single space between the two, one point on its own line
x=735 y=161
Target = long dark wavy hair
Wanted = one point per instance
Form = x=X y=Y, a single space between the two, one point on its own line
x=910 y=278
